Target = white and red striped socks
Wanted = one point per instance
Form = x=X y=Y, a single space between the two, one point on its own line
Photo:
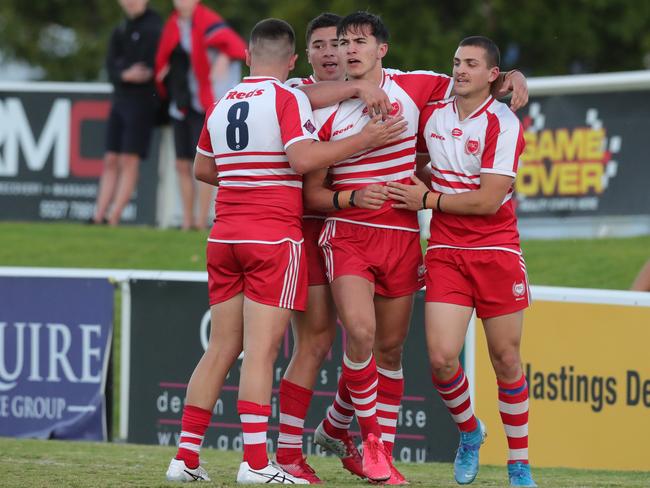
x=361 y=380
x=340 y=414
x=455 y=395
x=193 y=426
x=513 y=407
x=390 y=391
x=294 y=403
x=254 y=422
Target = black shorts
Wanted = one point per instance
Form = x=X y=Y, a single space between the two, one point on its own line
x=130 y=125
x=187 y=133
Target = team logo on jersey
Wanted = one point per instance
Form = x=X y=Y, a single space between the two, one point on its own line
x=518 y=289
x=309 y=126
x=472 y=146
x=396 y=110
x=456 y=132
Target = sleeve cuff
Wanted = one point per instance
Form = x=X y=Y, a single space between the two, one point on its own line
x=313 y=137
x=204 y=152
x=497 y=171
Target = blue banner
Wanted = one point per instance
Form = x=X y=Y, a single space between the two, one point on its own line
x=55 y=340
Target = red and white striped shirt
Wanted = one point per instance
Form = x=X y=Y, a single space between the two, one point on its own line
x=295 y=83
x=490 y=140
x=247 y=132
x=409 y=92
x=298 y=82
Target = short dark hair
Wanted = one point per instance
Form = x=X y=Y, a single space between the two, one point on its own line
x=359 y=19
x=274 y=36
x=326 y=19
x=273 y=30
x=492 y=54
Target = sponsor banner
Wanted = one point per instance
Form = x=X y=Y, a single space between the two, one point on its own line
x=170 y=323
x=589 y=385
x=55 y=340
x=585 y=155
x=51 y=157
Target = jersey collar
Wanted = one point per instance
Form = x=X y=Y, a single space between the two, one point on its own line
x=257 y=79
x=478 y=111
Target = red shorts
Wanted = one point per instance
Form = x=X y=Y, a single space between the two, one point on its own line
x=272 y=274
x=389 y=258
x=311 y=229
x=494 y=282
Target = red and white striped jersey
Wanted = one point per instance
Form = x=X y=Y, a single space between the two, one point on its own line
x=490 y=140
x=247 y=132
x=295 y=83
x=409 y=92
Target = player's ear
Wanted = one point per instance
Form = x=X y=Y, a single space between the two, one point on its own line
x=494 y=73
x=292 y=61
x=383 y=50
x=248 y=58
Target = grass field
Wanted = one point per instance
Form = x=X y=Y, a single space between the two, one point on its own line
x=587 y=263
x=81 y=464
x=601 y=263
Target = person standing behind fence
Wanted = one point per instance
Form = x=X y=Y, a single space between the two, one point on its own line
x=129 y=63
x=198 y=60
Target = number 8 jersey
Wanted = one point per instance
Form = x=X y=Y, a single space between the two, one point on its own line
x=247 y=132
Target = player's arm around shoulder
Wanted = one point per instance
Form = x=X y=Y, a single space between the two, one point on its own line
x=513 y=82
x=326 y=93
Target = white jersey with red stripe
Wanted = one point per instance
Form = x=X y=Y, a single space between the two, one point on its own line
x=409 y=93
x=247 y=133
x=298 y=82
x=295 y=83
x=488 y=141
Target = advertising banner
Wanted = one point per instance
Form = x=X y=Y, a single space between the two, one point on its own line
x=589 y=384
x=170 y=325
x=52 y=145
x=55 y=340
x=585 y=155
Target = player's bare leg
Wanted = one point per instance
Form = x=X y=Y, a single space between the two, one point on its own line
x=129 y=165
x=263 y=332
x=107 y=184
x=353 y=296
x=642 y=280
x=186 y=184
x=206 y=201
x=446 y=325
x=314 y=331
x=264 y=329
x=393 y=316
x=224 y=346
x=503 y=335
x=332 y=433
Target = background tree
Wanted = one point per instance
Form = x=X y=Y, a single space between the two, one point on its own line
x=68 y=38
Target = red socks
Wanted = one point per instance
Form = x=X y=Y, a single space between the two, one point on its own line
x=254 y=423
x=193 y=426
x=455 y=394
x=294 y=403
